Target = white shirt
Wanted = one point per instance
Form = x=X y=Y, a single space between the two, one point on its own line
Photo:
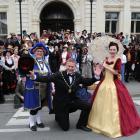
x=70 y=79
x=64 y=57
x=123 y=59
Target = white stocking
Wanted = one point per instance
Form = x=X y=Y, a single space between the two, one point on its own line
x=32 y=120
x=38 y=117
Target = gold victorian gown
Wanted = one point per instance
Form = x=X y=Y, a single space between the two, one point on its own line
x=113 y=112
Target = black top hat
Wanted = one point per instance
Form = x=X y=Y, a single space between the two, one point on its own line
x=25 y=64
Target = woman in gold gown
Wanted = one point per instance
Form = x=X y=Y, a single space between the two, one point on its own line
x=113 y=112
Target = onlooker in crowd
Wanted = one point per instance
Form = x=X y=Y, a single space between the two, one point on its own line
x=65 y=55
x=86 y=64
x=124 y=61
x=9 y=74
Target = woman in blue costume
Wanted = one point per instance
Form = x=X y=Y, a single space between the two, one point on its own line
x=36 y=93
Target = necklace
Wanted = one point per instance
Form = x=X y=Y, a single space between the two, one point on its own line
x=41 y=64
x=41 y=67
x=68 y=85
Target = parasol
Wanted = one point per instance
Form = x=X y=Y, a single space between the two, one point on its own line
x=98 y=48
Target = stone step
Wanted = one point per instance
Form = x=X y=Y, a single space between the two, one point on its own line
x=9 y=98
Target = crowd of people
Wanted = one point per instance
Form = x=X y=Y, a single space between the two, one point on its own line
x=57 y=56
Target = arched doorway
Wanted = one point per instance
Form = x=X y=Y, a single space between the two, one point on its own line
x=56 y=16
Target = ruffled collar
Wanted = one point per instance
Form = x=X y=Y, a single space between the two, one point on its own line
x=109 y=63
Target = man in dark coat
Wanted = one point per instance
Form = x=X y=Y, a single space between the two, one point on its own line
x=65 y=99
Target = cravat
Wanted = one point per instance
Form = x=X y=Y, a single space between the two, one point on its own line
x=71 y=76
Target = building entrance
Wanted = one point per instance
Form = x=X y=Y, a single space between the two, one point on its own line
x=56 y=16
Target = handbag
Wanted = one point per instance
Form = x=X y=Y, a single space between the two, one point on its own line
x=83 y=94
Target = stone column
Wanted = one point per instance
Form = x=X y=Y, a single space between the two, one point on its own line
x=77 y=25
x=126 y=17
x=36 y=26
x=31 y=14
x=100 y=16
x=11 y=16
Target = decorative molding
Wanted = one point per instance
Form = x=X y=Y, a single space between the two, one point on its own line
x=113 y=6
x=4 y=2
x=77 y=20
x=113 y=1
x=135 y=4
x=116 y=5
x=132 y=1
x=4 y=6
x=40 y=4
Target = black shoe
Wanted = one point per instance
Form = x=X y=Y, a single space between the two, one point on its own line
x=33 y=128
x=41 y=125
x=84 y=128
x=56 y=119
x=51 y=111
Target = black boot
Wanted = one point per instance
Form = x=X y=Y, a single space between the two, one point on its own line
x=33 y=128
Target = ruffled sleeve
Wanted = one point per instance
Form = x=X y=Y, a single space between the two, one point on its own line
x=117 y=67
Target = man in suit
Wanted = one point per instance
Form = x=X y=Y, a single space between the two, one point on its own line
x=65 y=99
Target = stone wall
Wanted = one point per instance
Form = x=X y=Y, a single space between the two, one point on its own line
x=31 y=10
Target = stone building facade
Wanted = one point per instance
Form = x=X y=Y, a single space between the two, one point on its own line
x=110 y=16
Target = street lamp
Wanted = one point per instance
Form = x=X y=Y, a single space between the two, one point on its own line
x=20 y=15
x=91 y=1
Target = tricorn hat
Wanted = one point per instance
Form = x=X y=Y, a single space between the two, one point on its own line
x=39 y=46
x=25 y=64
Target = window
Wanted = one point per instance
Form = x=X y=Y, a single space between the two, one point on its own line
x=135 y=23
x=111 y=23
x=3 y=25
